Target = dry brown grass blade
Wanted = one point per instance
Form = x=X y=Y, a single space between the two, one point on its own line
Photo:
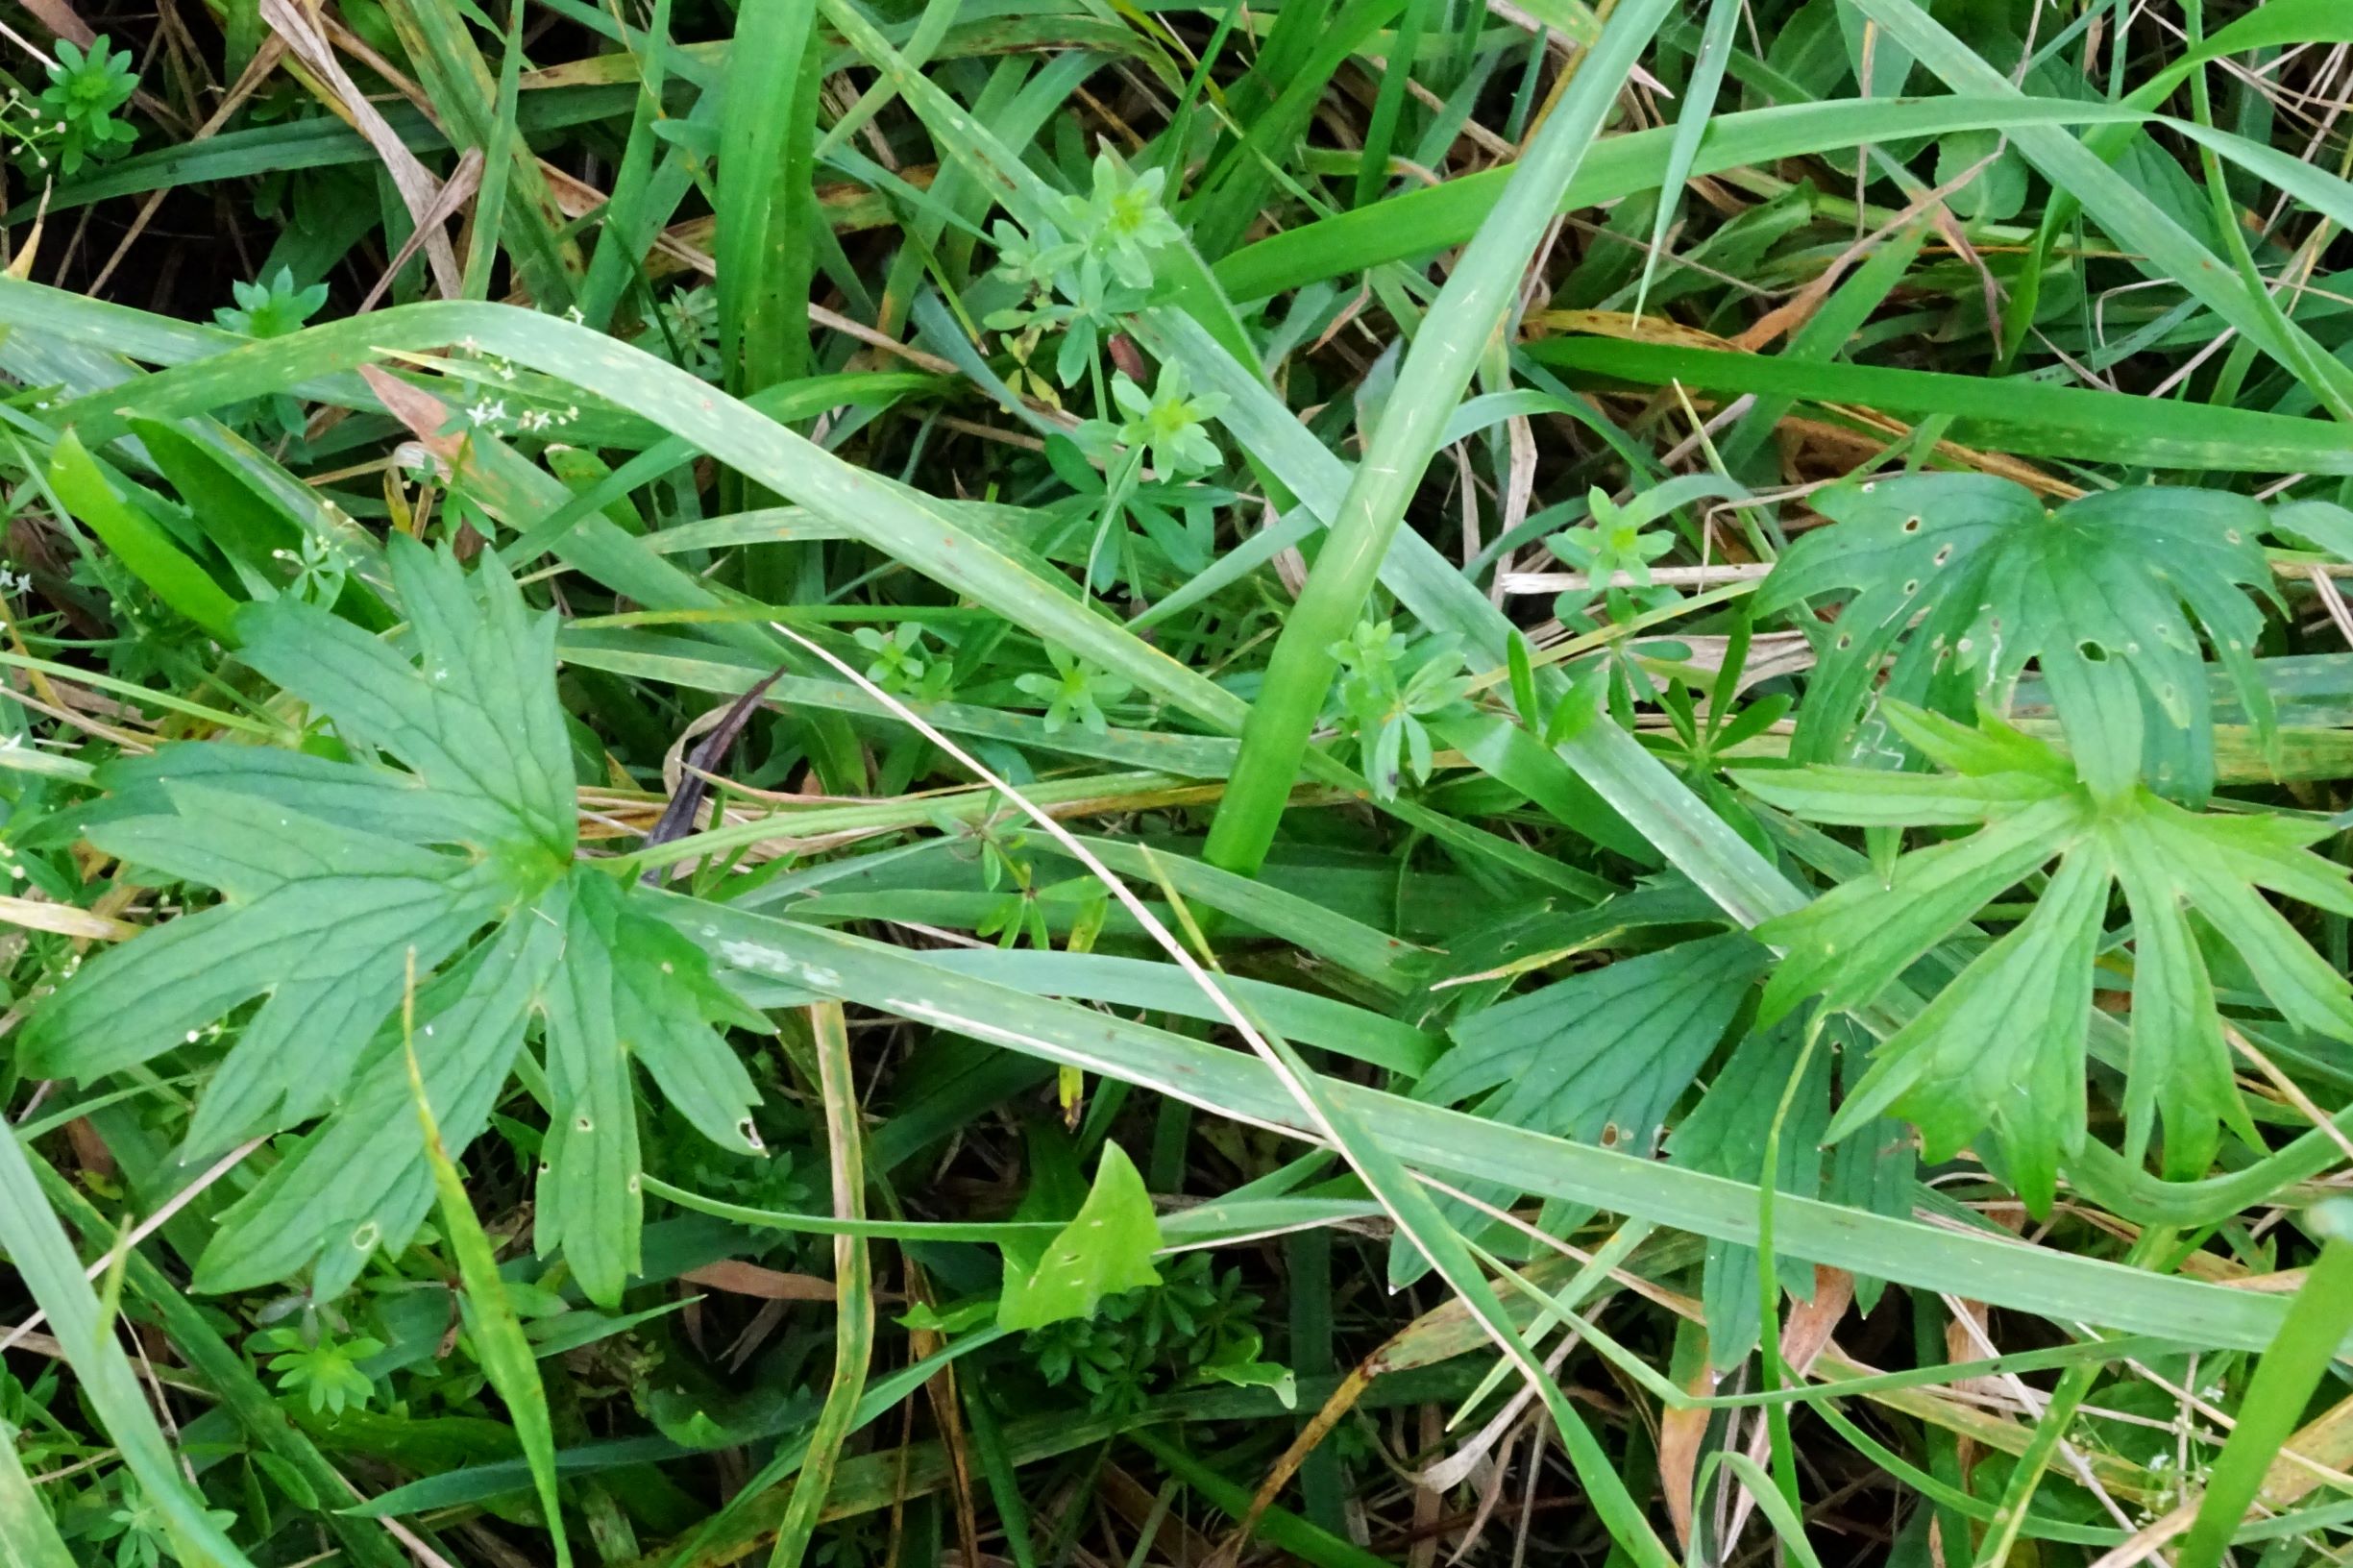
x=63 y=20
x=741 y=1278
x=1805 y=1335
x=1681 y=1434
x=454 y=193
x=64 y=919
x=1343 y=1400
x=414 y=182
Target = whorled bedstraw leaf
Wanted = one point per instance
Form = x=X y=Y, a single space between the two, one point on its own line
x=1105 y=1250
x=1966 y=577
x=333 y=874
x=2002 y=1046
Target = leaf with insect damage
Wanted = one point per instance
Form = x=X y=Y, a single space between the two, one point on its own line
x=1965 y=578
x=1105 y=1250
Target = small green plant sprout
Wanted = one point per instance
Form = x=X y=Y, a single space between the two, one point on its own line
x=1167 y=423
x=78 y=107
x=1121 y=221
x=1385 y=699
x=685 y=330
x=1097 y=274
x=1032 y=260
x=900 y=666
x=271 y=307
x=1163 y=427
x=1035 y=263
x=318 y=568
x=142 y=1533
x=321 y=1368
x=1614 y=543
x=1197 y=1326
x=1075 y=693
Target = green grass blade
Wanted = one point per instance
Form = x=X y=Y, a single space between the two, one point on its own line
x=1690 y=125
x=27 y=1536
x=2042 y=1281
x=199 y=1343
x=1437 y=367
x=2080 y=424
x=853 y=1342
x=497 y=167
x=2293 y=1367
x=768 y=138
x=464 y=92
x=1423 y=222
x=2161 y=246
x=44 y=1259
x=142 y=547
x=507 y=1357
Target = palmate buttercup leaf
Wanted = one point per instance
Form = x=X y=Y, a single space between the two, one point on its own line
x=1600 y=1056
x=333 y=874
x=629 y=989
x=1965 y=578
x=1726 y=1134
x=2002 y=1046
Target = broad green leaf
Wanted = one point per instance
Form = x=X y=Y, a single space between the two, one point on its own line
x=1105 y=1250
x=335 y=877
x=469 y=719
x=317 y=919
x=1726 y=1134
x=630 y=987
x=2002 y=1046
x=1965 y=578
x=1600 y=1056
x=359 y=1181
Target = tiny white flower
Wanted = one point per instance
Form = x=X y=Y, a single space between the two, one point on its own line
x=488 y=411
